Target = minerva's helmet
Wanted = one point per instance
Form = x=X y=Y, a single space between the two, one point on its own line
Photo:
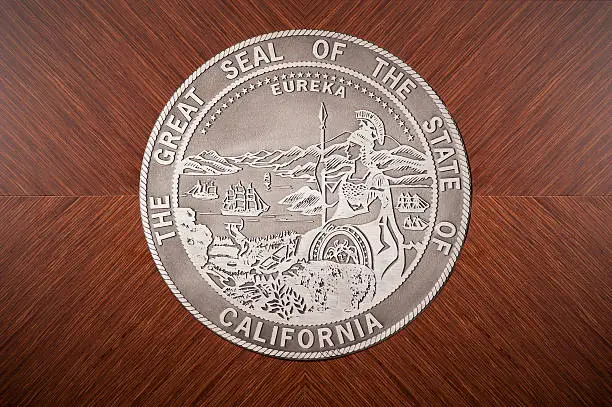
x=371 y=129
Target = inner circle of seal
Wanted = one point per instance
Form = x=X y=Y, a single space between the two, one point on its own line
x=309 y=64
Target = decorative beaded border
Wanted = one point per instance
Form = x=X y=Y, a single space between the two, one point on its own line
x=456 y=248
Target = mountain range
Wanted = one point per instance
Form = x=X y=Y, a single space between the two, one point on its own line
x=298 y=162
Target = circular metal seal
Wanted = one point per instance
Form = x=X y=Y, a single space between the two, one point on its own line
x=305 y=194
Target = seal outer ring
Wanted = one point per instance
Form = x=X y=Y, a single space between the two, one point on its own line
x=454 y=254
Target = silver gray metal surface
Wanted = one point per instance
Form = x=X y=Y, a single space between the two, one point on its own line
x=305 y=194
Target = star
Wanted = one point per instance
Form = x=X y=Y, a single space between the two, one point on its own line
x=363 y=90
x=317 y=74
x=308 y=74
x=300 y=74
x=396 y=116
x=292 y=75
x=371 y=94
x=259 y=83
x=377 y=99
x=203 y=131
x=390 y=110
x=237 y=95
x=267 y=80
x=349 y=83
x=218 y=111
x=224 y=105
x=333 y=78
x=356 y=86
x=401 y=123
x=325 y=76
x=213 y=118
x=284 y=76
x=406 y=131
x=275 y=78
x=341 y=80
x=207 y=124
x=231 y=100
x=244 y=90
x=251 y=86
x=384 y=104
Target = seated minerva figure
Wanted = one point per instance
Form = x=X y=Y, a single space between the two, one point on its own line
x=364 y=202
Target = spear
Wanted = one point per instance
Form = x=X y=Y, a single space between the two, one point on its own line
x=323 y=119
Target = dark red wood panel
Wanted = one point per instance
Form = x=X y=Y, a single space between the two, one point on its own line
x=83 y=82
x=85 y=318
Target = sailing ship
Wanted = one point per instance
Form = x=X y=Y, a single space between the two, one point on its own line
x=267 y=181
x=411 y=203
x=206 y=192
x=243 y=201
x=414 y=223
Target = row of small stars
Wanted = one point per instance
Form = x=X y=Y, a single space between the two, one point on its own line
x=385 y=105
x=317 y=75
x=258 y=84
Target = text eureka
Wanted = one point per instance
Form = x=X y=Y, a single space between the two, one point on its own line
x=306 y=338
x=447 y=167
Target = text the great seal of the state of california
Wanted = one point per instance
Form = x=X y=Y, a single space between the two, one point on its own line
x=305 y=194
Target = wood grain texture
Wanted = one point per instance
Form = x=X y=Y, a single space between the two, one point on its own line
x=84 y=82
x=85 y=319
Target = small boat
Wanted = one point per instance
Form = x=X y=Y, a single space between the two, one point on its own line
x=411 y=203
x=414 y=223
x=206 y=192
x=267 y=181
x=243 y=201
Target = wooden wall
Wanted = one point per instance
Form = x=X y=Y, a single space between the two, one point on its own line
x=85 y=319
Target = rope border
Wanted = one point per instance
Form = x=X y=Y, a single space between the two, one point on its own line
x=461 y=230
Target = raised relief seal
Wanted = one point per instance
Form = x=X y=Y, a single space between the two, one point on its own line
x=305 y=194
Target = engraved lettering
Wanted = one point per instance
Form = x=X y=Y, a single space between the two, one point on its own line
x=226 y=66
x=320 y=49
x=325 y=337
x=243 y=63
x=372 y=323
x=359 y=328
x=273 y=335
x=445 y=230
x=434 y=124
x=276 y=89
x=286 y=335
x=342 y=331
x=191 y=95
x=186 y=110
x=168 y=139
x=301 y=85
x=314 y=85
x=308 y=85
x=443 y=155
x=243 y=60
x=244 y=327
x=158 y=219
x=450 y=183
x=309 y=342
x=393 y=79
x=163 y=157
x=222 y=317
x=257 y=332
x=176 y=124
